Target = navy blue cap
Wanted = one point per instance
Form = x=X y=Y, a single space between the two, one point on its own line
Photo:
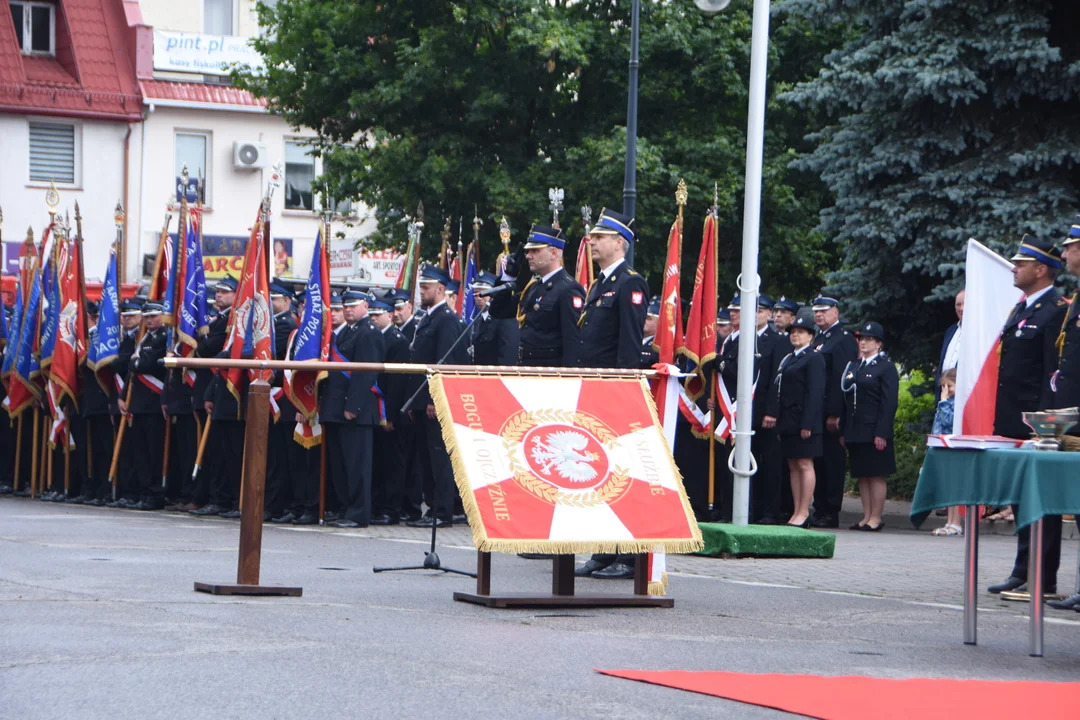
x=227 y=283
x=723 y=317
x=805 y=322
x=544 y=236
x=1074 y=233
x=434 y=273
x=130 y=307
x=335 y=299
x=784 y=304
x=453 y=286
x=92 y=307
x=399 y=297
x=736 y=303
x=821 y=302
x=1032 y=248
x=654 y=307
x=280 y=289
x=378 y=307
x=871 y=329
x=152 y=308
x=612 y=222
x=354 y=297
x=764 y=301
x=485 y=279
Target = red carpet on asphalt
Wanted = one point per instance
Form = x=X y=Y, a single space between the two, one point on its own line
x=858 y=698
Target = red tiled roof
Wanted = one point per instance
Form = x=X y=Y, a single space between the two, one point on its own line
x=208 y=94
x=92 y=73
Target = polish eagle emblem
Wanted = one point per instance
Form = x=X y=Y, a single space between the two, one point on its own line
x=564 y=453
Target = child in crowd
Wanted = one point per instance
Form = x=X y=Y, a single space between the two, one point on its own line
x=943 y=425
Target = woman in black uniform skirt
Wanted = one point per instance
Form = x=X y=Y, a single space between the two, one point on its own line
x=795 y=409
x=871 y=388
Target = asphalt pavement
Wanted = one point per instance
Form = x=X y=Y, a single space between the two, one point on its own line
x=98 y=619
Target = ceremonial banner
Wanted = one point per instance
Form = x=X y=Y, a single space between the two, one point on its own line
x=311 y=342
x=563 y=465
x=105 y=344
x=989 y=298
x=251 y=328
x=472 y=269
x=583 y=266
x=700 y=345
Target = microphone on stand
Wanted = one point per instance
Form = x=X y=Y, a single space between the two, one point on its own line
x=497 y=290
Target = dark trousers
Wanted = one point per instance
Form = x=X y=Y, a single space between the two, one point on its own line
x=438 y=473
x=304 y=464
x=184 y=444
x=127 y=482
x=1051 y=555
x=77 y=459
x=229 y=435
x=765 y=493
x=148 y=445
x=279 y=493
x=349 y=451
x=7 y=449
x=211 y=461
x=99 y=444
x=692 y=458
x=411 y=438
x=831 y=471
x=388 y=473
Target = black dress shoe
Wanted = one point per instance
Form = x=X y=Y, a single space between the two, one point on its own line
x=870 y=528
x=330 y=516
x=856 y=526
x=825 y=521
x=767 y=520
x=461 y=519
x=426 y=522
x=77 y=500
x=588 y=568
x=535 y=556
x=151 y=503
x=384 y=520
x=288 y=517
x=231 y=514
x=344 y=523
x=6 y=489
x=615 y=571
x=308 y=518
x=96 y=502
x=805 y=524
x=1070 y=603
x=1010 y=584
x=210 y=509
x=21 y=493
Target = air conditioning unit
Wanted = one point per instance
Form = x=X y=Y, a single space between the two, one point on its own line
x=248 y=156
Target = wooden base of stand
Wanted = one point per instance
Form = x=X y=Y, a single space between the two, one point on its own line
x=253 y=590
x=562 y=589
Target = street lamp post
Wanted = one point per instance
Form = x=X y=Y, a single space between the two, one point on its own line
x=630 y=174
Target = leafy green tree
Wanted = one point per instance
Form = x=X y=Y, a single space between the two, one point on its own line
x=490 y=102
x=956 y=119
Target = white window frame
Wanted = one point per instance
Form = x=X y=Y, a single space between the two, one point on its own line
x=317 y=198
x=27 y=48
x=208 y=159
x=235 y=25
x=77 y=152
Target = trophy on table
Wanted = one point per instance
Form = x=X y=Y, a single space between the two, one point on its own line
x=1049 y=426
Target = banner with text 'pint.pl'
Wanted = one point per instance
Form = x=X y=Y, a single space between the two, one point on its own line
x=563 y=465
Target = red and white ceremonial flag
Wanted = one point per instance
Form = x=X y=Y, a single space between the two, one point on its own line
x=669 y=329
x=700 y=344
x=563 y=465
x=583 y=266
x=988 y=300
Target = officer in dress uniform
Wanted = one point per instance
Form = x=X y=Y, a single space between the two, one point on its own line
x=400 y=301
x=493 y=341
x=127 y=482
x=98 y=439
x=436 y=340
x=1065 y=383
x=402 y=313
x=211 y=492
x=783 y=314
x=227 y=412
x=772 y=347
x=349 y=410
x=649 y=353
x=1028 y=360
x=388 y=485
x=838 y=347
x=546 y=300
x=281 y=501
x=147 y=379
x=611 y=330
x=184 y=441
x=7 y=437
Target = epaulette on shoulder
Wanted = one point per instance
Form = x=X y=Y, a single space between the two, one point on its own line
x=631 y=271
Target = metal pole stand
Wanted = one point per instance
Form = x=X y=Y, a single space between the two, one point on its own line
x=251 y=514
x=971 y=575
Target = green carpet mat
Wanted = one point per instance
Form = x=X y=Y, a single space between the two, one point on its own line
x=765 y=541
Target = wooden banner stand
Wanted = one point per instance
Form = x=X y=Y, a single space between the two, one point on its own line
x=252 y=491
x=562 y=589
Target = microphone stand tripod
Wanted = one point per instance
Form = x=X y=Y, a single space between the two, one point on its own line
x=431 y=558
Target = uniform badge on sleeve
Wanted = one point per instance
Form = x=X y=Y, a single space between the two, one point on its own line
x=637 y=298
x=576 y=302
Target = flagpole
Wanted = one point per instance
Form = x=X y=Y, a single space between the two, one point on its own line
x=715 y=381
x=33 y=452
x=18 y=453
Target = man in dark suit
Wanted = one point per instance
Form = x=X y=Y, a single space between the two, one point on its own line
x=838 y=347
x=1028 y=360
x=211 y=493
x=388 y=485
x=492 y=340
x=405 y=321
x=402 y=314
x=611 y=331
x=94 y=407
x=950 y=348
x=147 y=380
x=281 y=503
x=783 y=314
x=184 y=440
x=649 y=354
x=772 y=347
x=127 y=482
x=436 y=341
x=350 y=409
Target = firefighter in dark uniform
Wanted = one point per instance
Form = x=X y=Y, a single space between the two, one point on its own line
x=1065 y=383
x=837 y=347
x=184 y=441
x=492 y=340
x=350 y=410
x=545 y=299
x=649 y=353
x=211 y=491
x=280 y=500
x=1028 y=360
x=405 y=321
x=783 y=314
x=127 y=483
x=94 y=407
x=611 y=331
x=227 y=436
x=147 y=380
x=434 y=341
x=388 y=485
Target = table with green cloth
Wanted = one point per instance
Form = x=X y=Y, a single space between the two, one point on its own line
x=1037 y=482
